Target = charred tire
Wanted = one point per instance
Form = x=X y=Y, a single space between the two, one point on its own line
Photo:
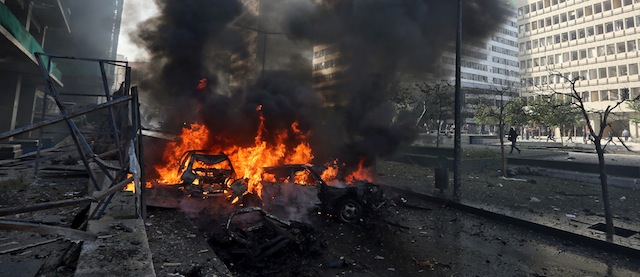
x=349 y=211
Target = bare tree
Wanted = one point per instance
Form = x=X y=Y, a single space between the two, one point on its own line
x=436 y=101
x=602 y=117
x=506 y=109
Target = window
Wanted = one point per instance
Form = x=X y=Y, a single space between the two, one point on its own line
x=540 y=23
x=543 y=61
x=617 y=4
x=600 y=51
x=547 y=21
x=527 y=27
x=590 y=31
x=608 y=27
x=534 y=25
x=621 y=47
x=556 y=19
x=631 y=45
x=612 y=72
x=613 y=95
x=533 y=7
x=606 y=5
x=588 y=10
x=563 y=17
x=572 y=35
x=602 y=73
x=572 y=15
x=540 y=6
x=581 y=33
x=579 y=13
x=604 y=95
x=534 y=44
x=583 y=75
x=593 y=74
x=565 y=57
x=565 y=37
x=629 y=22
x=595 y=96
x=526 y=9
x=597 y=8
x=550 y=59
x=599 y=29
x=556 y=39
x=585 y=96
x=633 y=69
x=591 y=52
x=619 y=25
x=611 y=49
x=622 y=70
x=574 y=55
x=542 y=42
x=627 y=2
x=527 y=45
x=583 y=54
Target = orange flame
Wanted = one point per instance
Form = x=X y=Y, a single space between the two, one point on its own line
x=362 y=174
x=202 y=84
x=248 y=162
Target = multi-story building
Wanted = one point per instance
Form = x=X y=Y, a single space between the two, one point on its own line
x=72 y=28
x=486 y=68
x=268 y=49
x=595 y=41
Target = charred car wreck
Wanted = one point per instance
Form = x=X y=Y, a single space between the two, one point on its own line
x=283 y=187
x=204 y=174
x=348 y=202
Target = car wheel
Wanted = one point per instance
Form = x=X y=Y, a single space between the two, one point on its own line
x=349 y=211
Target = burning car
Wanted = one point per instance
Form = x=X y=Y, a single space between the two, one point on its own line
x=296 y=184
x=205 y=174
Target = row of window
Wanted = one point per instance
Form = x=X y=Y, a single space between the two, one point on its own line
x=591 y=74
x=465 y=75
x=328 y=77
x=464 y=63
x=326 y=51
x=505 y=51
x=601 y=95
x=588 y=10
x=610 y=95
x=588 y=53
x=504 y=61
x=328 y=64
x=599 y=29
x=504 y=41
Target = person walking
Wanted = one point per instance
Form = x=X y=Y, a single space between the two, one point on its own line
x=513 y=136
x=625 y=134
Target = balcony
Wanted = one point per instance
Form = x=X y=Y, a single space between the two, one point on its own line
x=18 y=47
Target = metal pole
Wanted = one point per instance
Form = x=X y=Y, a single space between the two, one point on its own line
x=107 y=94
x=457 y=147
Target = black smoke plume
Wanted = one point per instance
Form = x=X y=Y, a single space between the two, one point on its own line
x=380 y=41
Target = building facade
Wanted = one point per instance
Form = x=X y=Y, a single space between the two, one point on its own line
x=267 y=47
x=595 y=41
x=87 y=29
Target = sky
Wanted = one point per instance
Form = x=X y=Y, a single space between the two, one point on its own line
x=134 y=12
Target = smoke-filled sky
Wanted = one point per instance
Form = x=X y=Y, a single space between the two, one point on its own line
x=134 y=12
x=381 y=40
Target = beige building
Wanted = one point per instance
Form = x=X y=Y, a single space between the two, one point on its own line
x=594 y=40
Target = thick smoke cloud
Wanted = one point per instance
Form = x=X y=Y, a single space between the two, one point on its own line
x=380 y=40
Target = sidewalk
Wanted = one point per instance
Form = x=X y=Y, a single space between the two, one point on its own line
x=568 y=206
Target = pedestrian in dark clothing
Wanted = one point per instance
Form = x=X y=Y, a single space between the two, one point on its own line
x=513 y=136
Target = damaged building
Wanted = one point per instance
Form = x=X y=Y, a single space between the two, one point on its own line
x=86 y=29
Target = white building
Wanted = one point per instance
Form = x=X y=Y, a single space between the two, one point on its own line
x=595 y=40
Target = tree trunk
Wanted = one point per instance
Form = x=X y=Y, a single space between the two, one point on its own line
x=503 y=156
x=605 y=190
